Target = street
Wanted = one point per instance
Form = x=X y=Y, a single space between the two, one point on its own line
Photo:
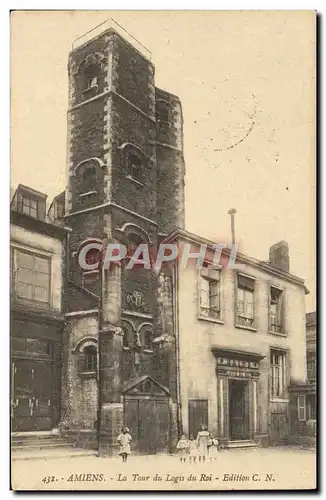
x=261 y=468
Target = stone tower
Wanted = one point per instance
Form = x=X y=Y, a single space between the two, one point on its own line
x=125 y=183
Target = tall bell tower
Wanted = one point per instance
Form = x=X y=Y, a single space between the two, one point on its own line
x=125 y=182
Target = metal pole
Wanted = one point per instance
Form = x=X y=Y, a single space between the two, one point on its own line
x=231 y=212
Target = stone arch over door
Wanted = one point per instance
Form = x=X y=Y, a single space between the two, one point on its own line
x=147 y=414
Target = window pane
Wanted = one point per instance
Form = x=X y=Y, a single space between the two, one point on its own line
x=33 y=212
x=41 y=265
x=25 y=291
x=41 y=279
x=24 y=260
x=25 y=276
x=41 y=294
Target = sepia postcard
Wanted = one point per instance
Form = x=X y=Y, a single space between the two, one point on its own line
x=162 y=243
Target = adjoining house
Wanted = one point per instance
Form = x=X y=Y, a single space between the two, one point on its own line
x=38 y=252
x=241 y=344
x=303 y=396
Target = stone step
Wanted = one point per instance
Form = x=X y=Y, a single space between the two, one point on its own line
x=52 y=453
x=246 y=443
x=41 y=446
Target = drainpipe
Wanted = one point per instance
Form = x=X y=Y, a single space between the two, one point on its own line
x=175 y=288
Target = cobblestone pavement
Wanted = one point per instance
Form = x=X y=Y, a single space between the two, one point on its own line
x=261 y=468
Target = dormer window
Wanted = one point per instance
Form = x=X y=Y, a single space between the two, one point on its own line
x=29 y=206
x=30 y=202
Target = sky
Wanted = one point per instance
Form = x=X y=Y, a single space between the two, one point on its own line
x=246 y=81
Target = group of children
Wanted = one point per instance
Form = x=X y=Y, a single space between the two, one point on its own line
x=204 y=446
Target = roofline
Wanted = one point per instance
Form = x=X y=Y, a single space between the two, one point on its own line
x=37 y=225
x=112 y=31
x=168 y=94
x=34 y=191
x=194 y=238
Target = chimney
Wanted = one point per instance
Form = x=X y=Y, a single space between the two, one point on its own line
x=279 y=256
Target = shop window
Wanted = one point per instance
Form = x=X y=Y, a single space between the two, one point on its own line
x=245 y=310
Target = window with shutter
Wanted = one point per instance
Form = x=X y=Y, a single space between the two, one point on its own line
x=210 y=293
x=301 y=407
x=277 y=373
x=245 y=313
x=276 y=310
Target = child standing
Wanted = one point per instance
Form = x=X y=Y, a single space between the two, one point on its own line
x=193 y=450
x=202 y=443
x=213 y=447
x=183 y=448
x=124 y=439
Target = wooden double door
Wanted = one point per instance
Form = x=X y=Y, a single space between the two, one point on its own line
x=32 y=395
x=148 y=419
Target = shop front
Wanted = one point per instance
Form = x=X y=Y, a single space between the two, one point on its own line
x=35 y=375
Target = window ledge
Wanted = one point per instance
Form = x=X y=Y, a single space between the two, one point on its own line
x=278 y=334
x=88 y=374
x=210 y=319
x=134 y=180
x=87 y=194
x=246 y=327
x=279 y=400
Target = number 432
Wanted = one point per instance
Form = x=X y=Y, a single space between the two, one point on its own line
x=48 y=479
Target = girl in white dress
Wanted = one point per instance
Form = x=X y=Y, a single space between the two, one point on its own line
x=124 y=439
x=213 y=447
x=183 y=448
x=202 y=443
x=193 y=450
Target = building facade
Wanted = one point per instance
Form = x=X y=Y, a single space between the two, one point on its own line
x=38 y=253
x=303 y=396
x=241 y=344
